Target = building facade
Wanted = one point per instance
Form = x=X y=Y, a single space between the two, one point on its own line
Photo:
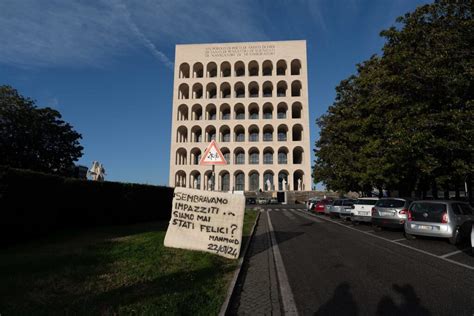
x=252 y=98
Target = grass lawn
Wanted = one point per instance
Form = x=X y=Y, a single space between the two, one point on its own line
x=113 y=270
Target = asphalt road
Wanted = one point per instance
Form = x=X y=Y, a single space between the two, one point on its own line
x=334 y=268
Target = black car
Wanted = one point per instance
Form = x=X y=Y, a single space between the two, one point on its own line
x=250 y=201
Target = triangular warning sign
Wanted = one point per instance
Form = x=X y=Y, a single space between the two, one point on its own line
x=212 y=155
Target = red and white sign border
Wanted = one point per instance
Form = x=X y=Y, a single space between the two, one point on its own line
x=208 y=149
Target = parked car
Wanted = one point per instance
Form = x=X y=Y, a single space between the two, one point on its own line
x=273 y=200
x=311 y=202
x=319 y=207
x=390 y=212
x=445 y=219
x=328 y=208
x=341 y=208
x=346 y=209
x=362 y=210
x=250 y=201
x=262 y=200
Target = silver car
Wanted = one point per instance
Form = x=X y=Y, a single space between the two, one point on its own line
x=328 y=208
x=446 y=219
x=390 y=212
x=342 y=208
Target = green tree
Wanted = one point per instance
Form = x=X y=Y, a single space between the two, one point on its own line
x=431 y=62
x=35 y=138
x=406 y=119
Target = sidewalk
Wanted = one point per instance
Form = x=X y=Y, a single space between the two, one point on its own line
x=256 y=291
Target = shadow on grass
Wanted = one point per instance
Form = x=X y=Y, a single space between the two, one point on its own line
x=176 y=293
x=111 y=270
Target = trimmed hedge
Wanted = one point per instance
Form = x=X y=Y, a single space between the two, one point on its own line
x=34 y=204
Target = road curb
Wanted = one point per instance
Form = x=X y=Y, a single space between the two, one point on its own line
x=233 y=282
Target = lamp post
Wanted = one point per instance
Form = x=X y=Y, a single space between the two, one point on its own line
x=465 y=185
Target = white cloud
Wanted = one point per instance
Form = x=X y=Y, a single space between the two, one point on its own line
x=76 y=33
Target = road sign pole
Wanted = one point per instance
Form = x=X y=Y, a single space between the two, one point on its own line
x=213 y=177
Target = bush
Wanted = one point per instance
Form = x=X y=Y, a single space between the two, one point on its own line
x=34 y=204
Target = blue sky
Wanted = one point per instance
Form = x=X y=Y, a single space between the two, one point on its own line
x=106 y=65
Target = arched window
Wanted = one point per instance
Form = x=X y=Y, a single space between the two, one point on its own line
x=198 y=70
x=181 y=157
x=298 y=155
x=239 y=156
x=195 y=156
x=282 y=108
x=253 y=156
x=267 y=68
x=281 y=68
x=296 y=89
x=210 y=133
x=239 y=69
x=282 y=133
x=183 y=112
x=283 y=180
x=253 y=133
x=268 y=133
x=208 y=182
x=282 y=156
x=224 y=132
x=267 y=89
x=253 y=111
x=195 y=179
x=224 y=181
x=296 y=110
x=211 y=91
x=197 y=112
x=226 y=152
x=295 y=67
x=239 y=133
x=180 y=179
x=211 y=70
x=183 y=91
x=197 y=91
x=196 y=133
x=225 y=69
x=211 y=112
x=281 y=89
x=297 y=133
x=239 y=90
x=253 y=181
x=184 y=70
x=253 y=68
x=298 y=178
x=253 y=89
x=267 y=111
x=268 y=156
x=268 y=180
x=239 y=181
x=225 y=112
x=225 y=90
x=239 y=111
x=182 y=135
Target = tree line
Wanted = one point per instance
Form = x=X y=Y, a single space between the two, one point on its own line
x=35 y=138
x=405 y=121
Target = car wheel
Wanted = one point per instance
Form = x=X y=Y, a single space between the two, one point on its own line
x=409 y=236
x=455 y=239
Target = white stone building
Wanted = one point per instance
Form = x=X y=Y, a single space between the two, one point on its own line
x=252 y=98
